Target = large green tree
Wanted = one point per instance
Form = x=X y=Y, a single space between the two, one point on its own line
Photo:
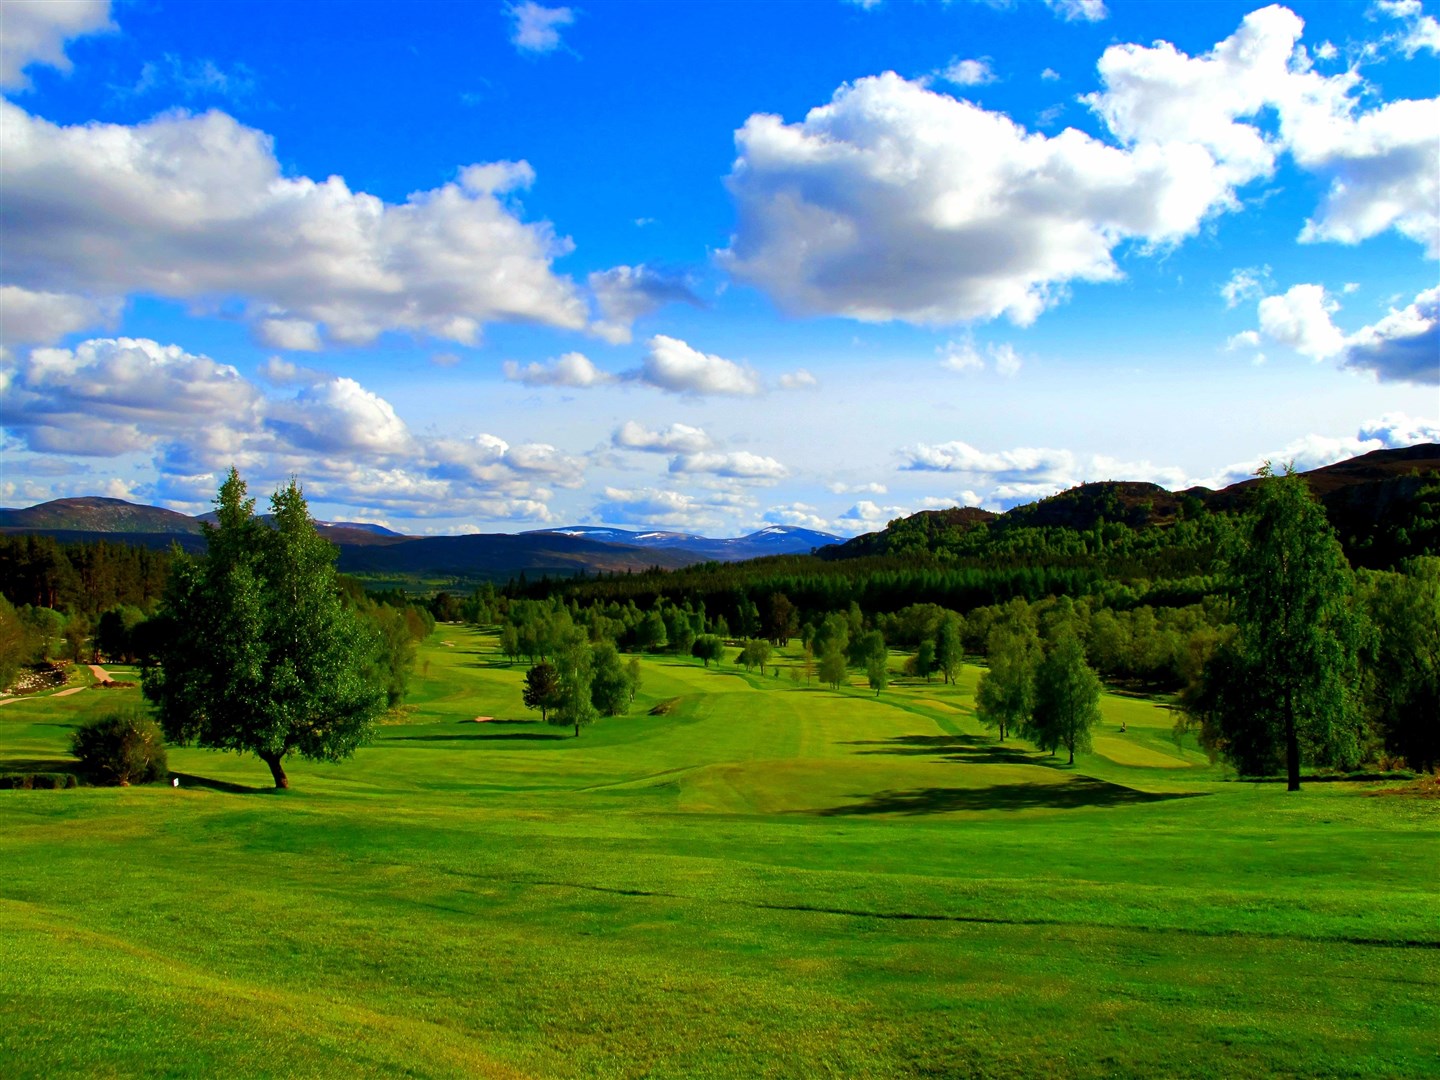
x=1005 y=695
x=1285 y=689
x=1067 y=699
x=259 y=653
x=1402 y=679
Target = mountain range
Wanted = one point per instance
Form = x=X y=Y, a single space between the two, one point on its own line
x=1357 y=493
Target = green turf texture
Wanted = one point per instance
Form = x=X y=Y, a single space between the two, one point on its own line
x=767 y=880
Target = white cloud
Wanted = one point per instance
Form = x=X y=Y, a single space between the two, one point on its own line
x=572 y=369
x=281 y=372
x=35 y=32
x=1421 y=33
x=294 y=335
x=1404 y=346
x=122 y=396
x=868 y=516
x=675 y=509
x=738 y=465
x=193 y=79
x=196 y=208
x=672 y=365
x=676 y=439
x=963 y=498
x=799 y=379
x=1025 y=462
x=628 y=293
x=339 y=416
x=112 y=396
x=1299 y=319
x=1326 y=50
x=1050 y=75
x=537 y=28
x=28 y=317
x=798 y=514
x=858 y=489
x=1392 y=431
x=897 y=202
x=1245 y=284
x=969 y=72
x=1079 y=10
x=962 y=356
x=1380 y=163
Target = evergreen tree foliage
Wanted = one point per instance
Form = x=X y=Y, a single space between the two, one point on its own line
x=541 y=689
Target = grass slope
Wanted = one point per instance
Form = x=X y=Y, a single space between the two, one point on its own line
x=768 y=880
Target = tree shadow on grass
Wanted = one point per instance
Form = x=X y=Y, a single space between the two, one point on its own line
x=476 y=736
x=1082 y=791
x=963 y=749
x=191 y=780
x=39 y=765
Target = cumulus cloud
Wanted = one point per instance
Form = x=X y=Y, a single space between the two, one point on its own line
x=573 y=370
x=1300 y=319
x=36 y=32
x=1404 y=346
x=196 y=207
x=839 y=488
x=28 y=317
x=868 y=516
x=113 y=397
x=676 y=509
x=1380 y=162
x=737 y=465
x=627 y=293
x=294 y=335
x=1392 y=431
x=799 y=514
x=536 y=28
x=799 y=379
x=675 y=439
x=672 y=365
x=894 y=201
x=969 y=72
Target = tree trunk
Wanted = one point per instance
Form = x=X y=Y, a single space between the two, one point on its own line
x=577 y=729
x=276 y=769
x=1292 y=754
x=1072 y=756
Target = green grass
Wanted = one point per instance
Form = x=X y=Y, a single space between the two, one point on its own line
x=769 y=880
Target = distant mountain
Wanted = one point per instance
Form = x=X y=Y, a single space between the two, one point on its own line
x=97 y=515
x=500 y=554
x=1379 y=503
x=771 y=540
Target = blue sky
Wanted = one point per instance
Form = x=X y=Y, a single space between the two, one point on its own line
x=709 y=267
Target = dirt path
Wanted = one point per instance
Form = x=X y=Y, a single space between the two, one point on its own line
x=101 y=675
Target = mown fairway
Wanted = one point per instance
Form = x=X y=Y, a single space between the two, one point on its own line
x=768 y=880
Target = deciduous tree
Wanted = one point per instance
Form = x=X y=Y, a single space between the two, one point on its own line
x=259 y=653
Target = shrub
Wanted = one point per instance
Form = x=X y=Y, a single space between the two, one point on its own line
x=40 y=781
x=122 y=748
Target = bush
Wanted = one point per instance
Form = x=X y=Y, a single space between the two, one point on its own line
x=123 y=748
x=40 y=781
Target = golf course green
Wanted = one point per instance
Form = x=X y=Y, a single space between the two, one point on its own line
x=746 y=876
